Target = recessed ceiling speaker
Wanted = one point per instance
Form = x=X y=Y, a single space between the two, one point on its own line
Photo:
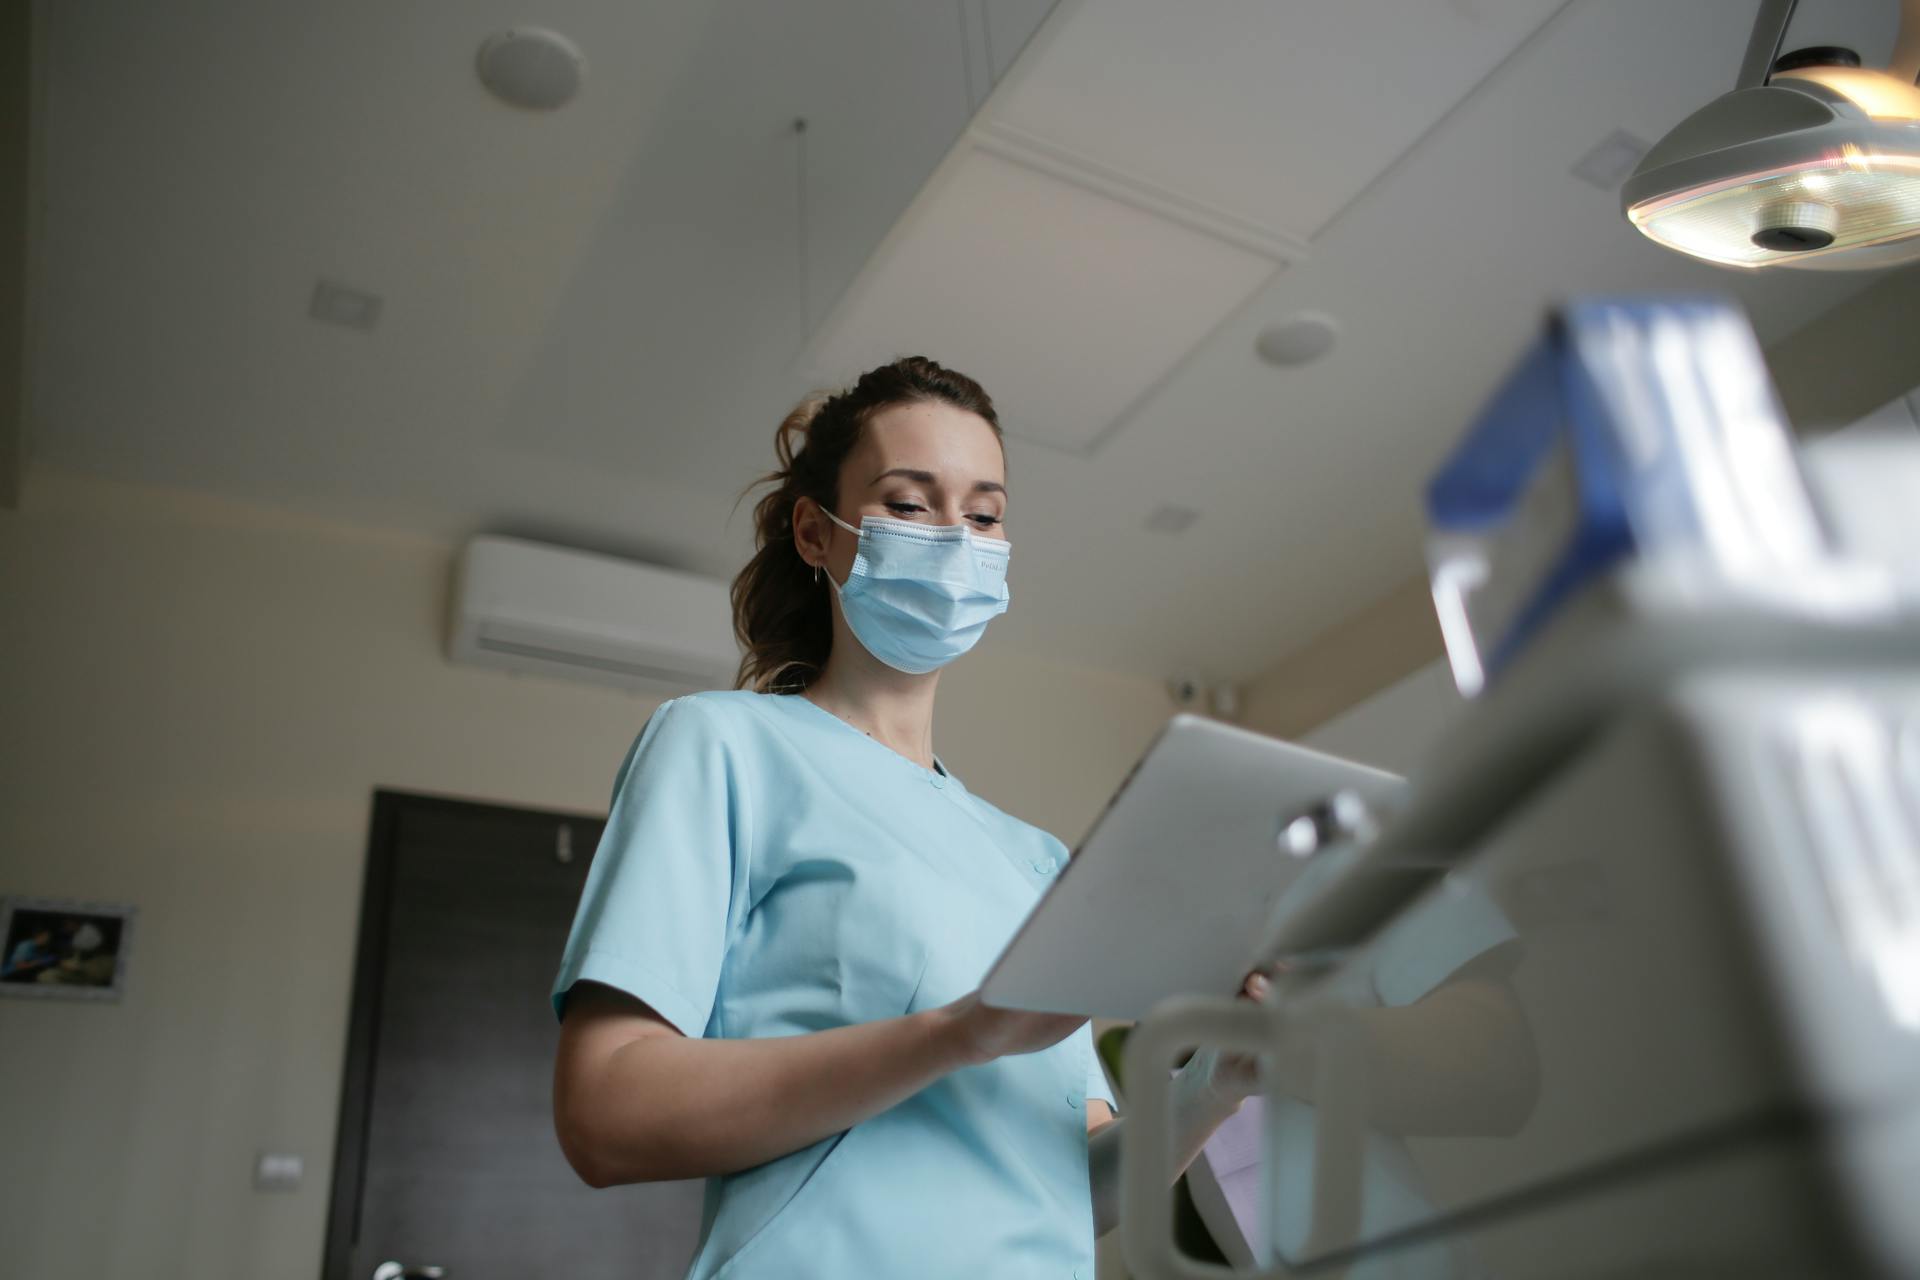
x=1301 y=338
x=1171 y=517
x=1812 y=161
x=531 y=67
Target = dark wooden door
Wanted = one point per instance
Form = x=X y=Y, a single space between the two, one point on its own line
x=447 y=1156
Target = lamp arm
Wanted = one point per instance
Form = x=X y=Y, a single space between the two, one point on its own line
x=1763 y=46
x=1770 y=31
x=1905 y=62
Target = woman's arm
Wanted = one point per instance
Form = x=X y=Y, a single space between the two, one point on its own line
x=636 y=1101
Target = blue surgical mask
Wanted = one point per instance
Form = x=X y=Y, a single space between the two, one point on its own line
x=920 y=595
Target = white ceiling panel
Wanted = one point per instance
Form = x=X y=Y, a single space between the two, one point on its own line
x=1275 y=113
x=594 y=316
x=1070 y=303
x=1309 y=481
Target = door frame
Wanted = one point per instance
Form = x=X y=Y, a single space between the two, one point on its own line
x=363 y=1019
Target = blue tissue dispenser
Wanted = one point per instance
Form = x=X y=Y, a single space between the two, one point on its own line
x=1633 y=428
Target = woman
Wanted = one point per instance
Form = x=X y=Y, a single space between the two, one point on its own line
x=770 y=978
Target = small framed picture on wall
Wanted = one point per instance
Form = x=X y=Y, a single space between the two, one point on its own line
x=55 y=948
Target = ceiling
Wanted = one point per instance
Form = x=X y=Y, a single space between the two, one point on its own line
x=593 y=319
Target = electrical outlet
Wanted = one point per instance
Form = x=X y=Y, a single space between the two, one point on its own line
x=277 y=1171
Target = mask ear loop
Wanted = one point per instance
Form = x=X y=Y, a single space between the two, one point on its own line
x=844 y=525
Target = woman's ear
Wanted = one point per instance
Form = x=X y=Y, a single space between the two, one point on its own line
x=811 y=531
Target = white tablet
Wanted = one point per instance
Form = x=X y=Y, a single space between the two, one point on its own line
x=1170 y=892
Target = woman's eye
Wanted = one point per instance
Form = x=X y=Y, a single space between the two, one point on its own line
x=979 y=520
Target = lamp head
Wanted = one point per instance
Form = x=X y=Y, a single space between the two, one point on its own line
x=1817 y=168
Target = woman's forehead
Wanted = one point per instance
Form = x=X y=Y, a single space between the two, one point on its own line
x=952 y=445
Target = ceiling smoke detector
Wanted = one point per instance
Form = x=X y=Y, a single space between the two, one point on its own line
x=1812 y=161
x=531 y=67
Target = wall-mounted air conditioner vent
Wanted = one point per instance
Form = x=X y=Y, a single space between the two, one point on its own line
x=525 y=606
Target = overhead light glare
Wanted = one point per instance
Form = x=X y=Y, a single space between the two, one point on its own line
x=1847 y=202
x=1880 y=95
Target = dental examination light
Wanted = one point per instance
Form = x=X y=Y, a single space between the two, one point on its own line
x=1812 y=161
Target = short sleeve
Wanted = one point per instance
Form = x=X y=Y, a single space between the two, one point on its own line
x=1436 y=940
x=658 y=907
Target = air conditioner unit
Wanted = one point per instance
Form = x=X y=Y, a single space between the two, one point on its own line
x=525 y=606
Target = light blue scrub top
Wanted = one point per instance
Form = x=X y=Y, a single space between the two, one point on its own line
x=769 y=870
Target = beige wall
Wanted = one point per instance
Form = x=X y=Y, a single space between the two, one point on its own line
x=1351 y=661
x=198 y=699
x=1848 y=361
x=1396 y=727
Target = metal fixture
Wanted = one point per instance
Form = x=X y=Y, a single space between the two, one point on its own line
x=1342 y=818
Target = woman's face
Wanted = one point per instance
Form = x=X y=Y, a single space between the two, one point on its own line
x=929 y=463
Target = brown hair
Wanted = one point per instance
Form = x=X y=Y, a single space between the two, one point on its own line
x=781 y=615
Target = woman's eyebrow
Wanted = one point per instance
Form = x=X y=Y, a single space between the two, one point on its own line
x=927 y=477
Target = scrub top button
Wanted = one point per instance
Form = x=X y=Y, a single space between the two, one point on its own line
x=1073 y=1102
x=938 y=780
x=1042 y=866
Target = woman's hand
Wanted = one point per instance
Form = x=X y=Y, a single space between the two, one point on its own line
x=982 y=1033
x=1209 y=1088
x=1234 y=1077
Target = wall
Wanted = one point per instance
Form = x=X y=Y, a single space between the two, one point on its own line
x=199 y=699
x=1396 y=727
x=1845 y=363
x=1369 y=650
